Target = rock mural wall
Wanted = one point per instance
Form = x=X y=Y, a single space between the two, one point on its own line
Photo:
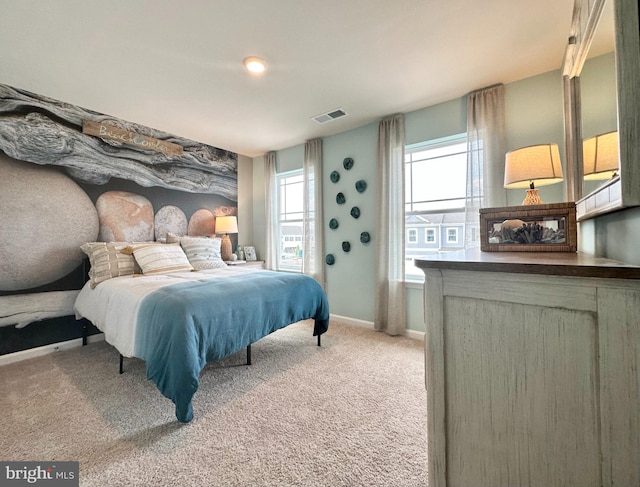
x=45 y=217
x=170 y=219
x=49 y=205
x=42 y=130
x=124 y=217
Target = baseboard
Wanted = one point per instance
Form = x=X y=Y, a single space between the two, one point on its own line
x=414 y=334
x=352 y=321
x=10 y=358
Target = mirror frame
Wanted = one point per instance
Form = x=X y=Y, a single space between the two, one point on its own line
x=622 y=191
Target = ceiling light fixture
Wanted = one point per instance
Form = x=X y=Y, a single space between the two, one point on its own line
x=254 y=64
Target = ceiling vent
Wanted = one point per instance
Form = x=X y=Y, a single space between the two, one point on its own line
x=330 y=116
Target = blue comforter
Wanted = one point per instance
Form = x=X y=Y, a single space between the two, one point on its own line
x=182 y=327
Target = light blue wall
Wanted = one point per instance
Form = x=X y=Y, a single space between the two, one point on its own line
x=533 y=112
x=534 y=115
x=598 y=95
x=350 y=281
x=598 y=101
x=614 y=236
x=437 y=121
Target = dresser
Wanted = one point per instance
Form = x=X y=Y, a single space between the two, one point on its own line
x=532 y=365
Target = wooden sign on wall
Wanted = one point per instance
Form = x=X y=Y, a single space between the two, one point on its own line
x=126 y=137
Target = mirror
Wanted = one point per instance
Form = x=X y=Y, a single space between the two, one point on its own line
x=602 y=92
x=599 y=107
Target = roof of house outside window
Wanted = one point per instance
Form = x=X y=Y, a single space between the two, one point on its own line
x=434 y=219
x=291 y=230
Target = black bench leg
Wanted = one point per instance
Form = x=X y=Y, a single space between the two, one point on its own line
x=121 y=364
x=248 y=354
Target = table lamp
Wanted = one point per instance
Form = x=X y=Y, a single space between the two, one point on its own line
x=600 y=156
x=226 y=225
x=530 y=166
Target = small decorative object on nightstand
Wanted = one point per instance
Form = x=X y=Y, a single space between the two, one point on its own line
x=250 y=253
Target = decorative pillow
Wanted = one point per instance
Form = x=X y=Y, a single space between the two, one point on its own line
x=203 y=253
x=107 y=260
x=160 y=258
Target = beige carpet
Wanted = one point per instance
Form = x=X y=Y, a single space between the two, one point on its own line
x=350 y=413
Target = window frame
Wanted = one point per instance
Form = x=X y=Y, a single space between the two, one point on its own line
x=431 y=231
x=281 y=238
x=440 y=242
x=455 y=235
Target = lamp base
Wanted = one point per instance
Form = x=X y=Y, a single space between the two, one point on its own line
x=532 y=198
x=225 y=248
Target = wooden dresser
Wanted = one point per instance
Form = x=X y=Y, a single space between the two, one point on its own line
x=532 y=370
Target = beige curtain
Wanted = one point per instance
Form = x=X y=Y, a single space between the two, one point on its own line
x=390 y=311
x=271 y=208
x=313 y=234
x=485 y=157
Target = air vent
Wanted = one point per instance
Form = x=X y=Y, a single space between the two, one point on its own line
x=329 y=116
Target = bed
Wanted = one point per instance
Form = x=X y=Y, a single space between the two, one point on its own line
x=177 y=322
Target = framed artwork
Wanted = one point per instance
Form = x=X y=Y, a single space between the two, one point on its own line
x=250 y=253
x=530 y=228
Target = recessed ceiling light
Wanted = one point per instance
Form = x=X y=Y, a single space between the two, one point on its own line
x=254 y=64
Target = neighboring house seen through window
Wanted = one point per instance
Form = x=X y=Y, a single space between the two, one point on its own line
x=435 y=190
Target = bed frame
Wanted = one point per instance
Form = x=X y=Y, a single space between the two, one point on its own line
x=85 y=331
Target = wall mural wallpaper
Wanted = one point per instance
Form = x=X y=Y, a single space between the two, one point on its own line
x=71 y=176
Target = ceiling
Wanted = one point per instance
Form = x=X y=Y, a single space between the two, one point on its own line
x=177 y=66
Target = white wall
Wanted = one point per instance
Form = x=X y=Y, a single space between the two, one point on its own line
x=245 y=200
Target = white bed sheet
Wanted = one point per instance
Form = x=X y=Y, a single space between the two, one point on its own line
x=112 y=306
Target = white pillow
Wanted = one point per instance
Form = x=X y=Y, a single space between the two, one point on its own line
x=160 y=258
x=107 y=260
x=203 y=253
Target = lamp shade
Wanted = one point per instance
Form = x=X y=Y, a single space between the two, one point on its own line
x=226 y=224
x=600 y=156
x=538 y=164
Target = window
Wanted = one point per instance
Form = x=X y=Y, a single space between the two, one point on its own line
x=435 y=193
x=290 y=232
x=430 y=235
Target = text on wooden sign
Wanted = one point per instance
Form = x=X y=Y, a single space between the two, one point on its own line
x=126 y=137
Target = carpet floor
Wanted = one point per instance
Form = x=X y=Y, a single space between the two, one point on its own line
x=349 y=413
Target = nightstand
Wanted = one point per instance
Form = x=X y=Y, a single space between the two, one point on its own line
x=246 y=263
